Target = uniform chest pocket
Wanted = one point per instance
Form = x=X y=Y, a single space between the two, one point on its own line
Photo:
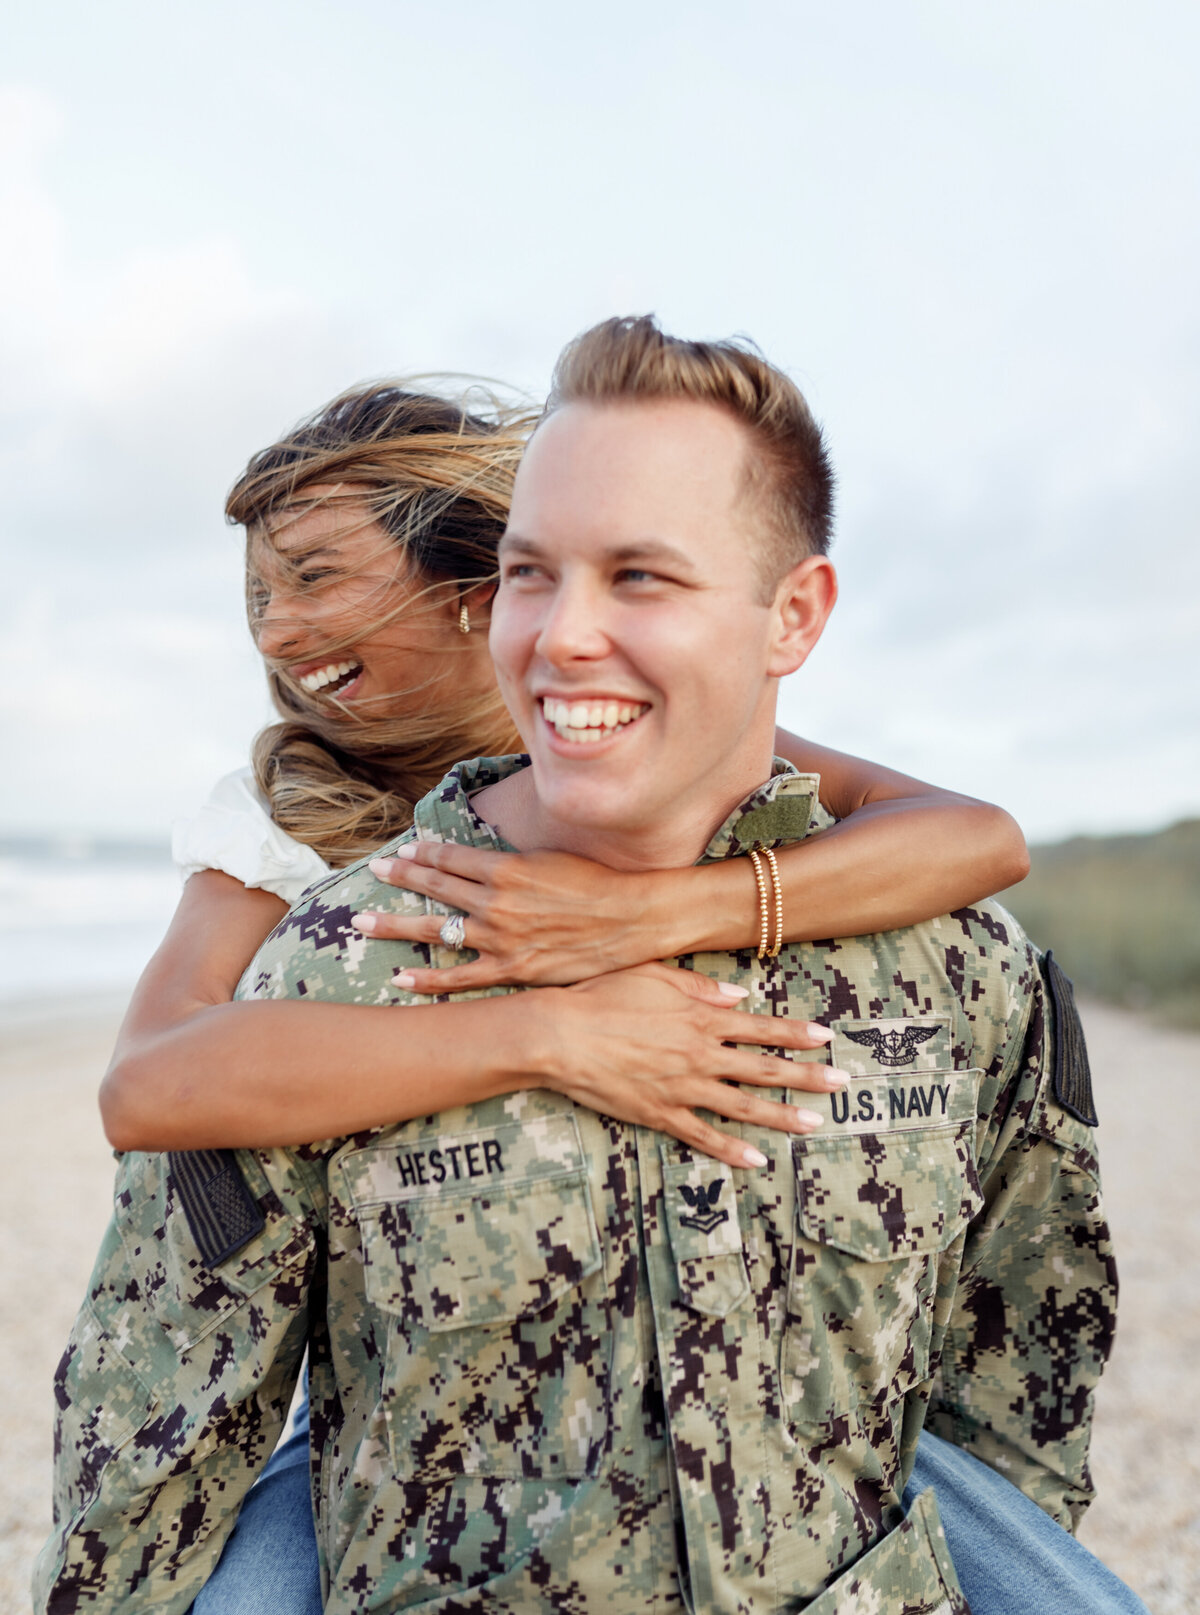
x=877 y=1214
x=498 y=1340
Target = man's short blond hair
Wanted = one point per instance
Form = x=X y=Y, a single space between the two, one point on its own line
x=788 y=471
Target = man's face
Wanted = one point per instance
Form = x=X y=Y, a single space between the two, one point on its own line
x=628 y=634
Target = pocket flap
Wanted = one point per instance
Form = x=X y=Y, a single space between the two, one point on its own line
x=908 y=1572
x=478 y=1228
x=879 y=1196
x=187 y=1295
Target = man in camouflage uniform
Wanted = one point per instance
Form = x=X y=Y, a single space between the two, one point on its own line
x=559 y=1362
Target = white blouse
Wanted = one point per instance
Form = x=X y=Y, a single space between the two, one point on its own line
x=234 y=832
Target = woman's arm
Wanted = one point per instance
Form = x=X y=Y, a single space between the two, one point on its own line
x=903 y=851
x=192 y=1070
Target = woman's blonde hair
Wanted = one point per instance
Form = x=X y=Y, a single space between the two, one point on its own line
x=437 y=477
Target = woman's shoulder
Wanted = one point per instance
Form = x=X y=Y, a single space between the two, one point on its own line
x=233 y=831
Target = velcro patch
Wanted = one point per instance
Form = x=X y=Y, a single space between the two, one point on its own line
x=221 y=1211
x=1072 y=1069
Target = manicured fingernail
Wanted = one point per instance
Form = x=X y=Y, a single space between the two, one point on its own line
x=809 y=1118
x=381 y=867
x=404 y=980
x=819 y=1034
x=730 y=991
x=835 y=1078
x=363 y=922
x=753 y=1157
x=406 y=849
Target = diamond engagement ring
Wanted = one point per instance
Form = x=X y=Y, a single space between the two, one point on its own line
x=453 y=930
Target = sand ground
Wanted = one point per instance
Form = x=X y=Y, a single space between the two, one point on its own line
x=1146 y=1524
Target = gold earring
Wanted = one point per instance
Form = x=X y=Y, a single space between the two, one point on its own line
x=464 y=619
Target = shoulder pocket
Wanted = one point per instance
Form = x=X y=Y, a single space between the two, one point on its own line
x=188 y=1296
x=482 y=1249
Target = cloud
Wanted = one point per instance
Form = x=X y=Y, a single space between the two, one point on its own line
x=977 y=247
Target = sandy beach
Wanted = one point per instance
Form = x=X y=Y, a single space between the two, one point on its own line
x=1145 y=1525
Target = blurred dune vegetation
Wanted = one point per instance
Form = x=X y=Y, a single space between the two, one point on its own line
x=1122 y=914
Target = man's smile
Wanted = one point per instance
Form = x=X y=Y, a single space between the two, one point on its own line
x=586 y=720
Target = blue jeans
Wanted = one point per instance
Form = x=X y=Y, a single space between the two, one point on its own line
x=269 y=1565
x=1011 y=1557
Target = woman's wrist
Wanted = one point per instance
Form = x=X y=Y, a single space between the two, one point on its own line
x=704 y=908
x=541 y=1040
x=529 y=1049
x=674 y=917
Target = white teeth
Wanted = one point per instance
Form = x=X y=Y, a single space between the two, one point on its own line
x=586 y=722
x=321 y=676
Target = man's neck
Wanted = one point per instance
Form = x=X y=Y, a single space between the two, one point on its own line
x=512 y=807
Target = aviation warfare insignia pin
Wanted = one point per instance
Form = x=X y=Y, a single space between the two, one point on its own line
x=894 y=1047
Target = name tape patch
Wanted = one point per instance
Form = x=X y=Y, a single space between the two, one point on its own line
x=417 y=1167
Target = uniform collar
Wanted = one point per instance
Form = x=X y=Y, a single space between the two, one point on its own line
x=776 y=812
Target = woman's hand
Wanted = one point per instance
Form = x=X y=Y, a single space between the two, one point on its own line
x=535 y=919
x=650 y=1046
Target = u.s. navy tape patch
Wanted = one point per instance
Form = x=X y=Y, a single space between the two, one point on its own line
x=1072 y=1069
x=895 y=1101
x=221 y=1211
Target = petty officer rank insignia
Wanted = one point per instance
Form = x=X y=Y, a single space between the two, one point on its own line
x=705 y=1214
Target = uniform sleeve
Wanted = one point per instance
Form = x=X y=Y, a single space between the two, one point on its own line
x=1032 y=1320
x=234 y=832
x=176 y=1380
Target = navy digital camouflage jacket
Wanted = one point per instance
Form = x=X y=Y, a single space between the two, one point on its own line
x=563 y=1363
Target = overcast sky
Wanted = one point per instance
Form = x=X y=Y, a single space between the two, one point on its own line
x=970 y=232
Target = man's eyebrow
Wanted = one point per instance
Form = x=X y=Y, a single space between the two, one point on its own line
x=644 y=549
x=652 y=549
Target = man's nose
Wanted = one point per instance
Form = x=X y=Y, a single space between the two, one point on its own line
x=573 y=628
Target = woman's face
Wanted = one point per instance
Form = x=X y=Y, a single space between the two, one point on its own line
x=340 y=614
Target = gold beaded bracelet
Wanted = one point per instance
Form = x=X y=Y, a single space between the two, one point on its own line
x=761 y=882
x=778 y=943
x=767 y=948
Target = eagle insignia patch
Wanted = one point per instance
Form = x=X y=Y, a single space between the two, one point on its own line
x=705 y=1216
x=893 y=1047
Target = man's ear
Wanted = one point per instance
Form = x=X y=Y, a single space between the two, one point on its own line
x=804 y=597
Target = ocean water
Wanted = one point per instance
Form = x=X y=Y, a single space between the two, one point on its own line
x=79 y=919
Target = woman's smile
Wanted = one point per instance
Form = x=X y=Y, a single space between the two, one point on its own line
x=330 y=678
